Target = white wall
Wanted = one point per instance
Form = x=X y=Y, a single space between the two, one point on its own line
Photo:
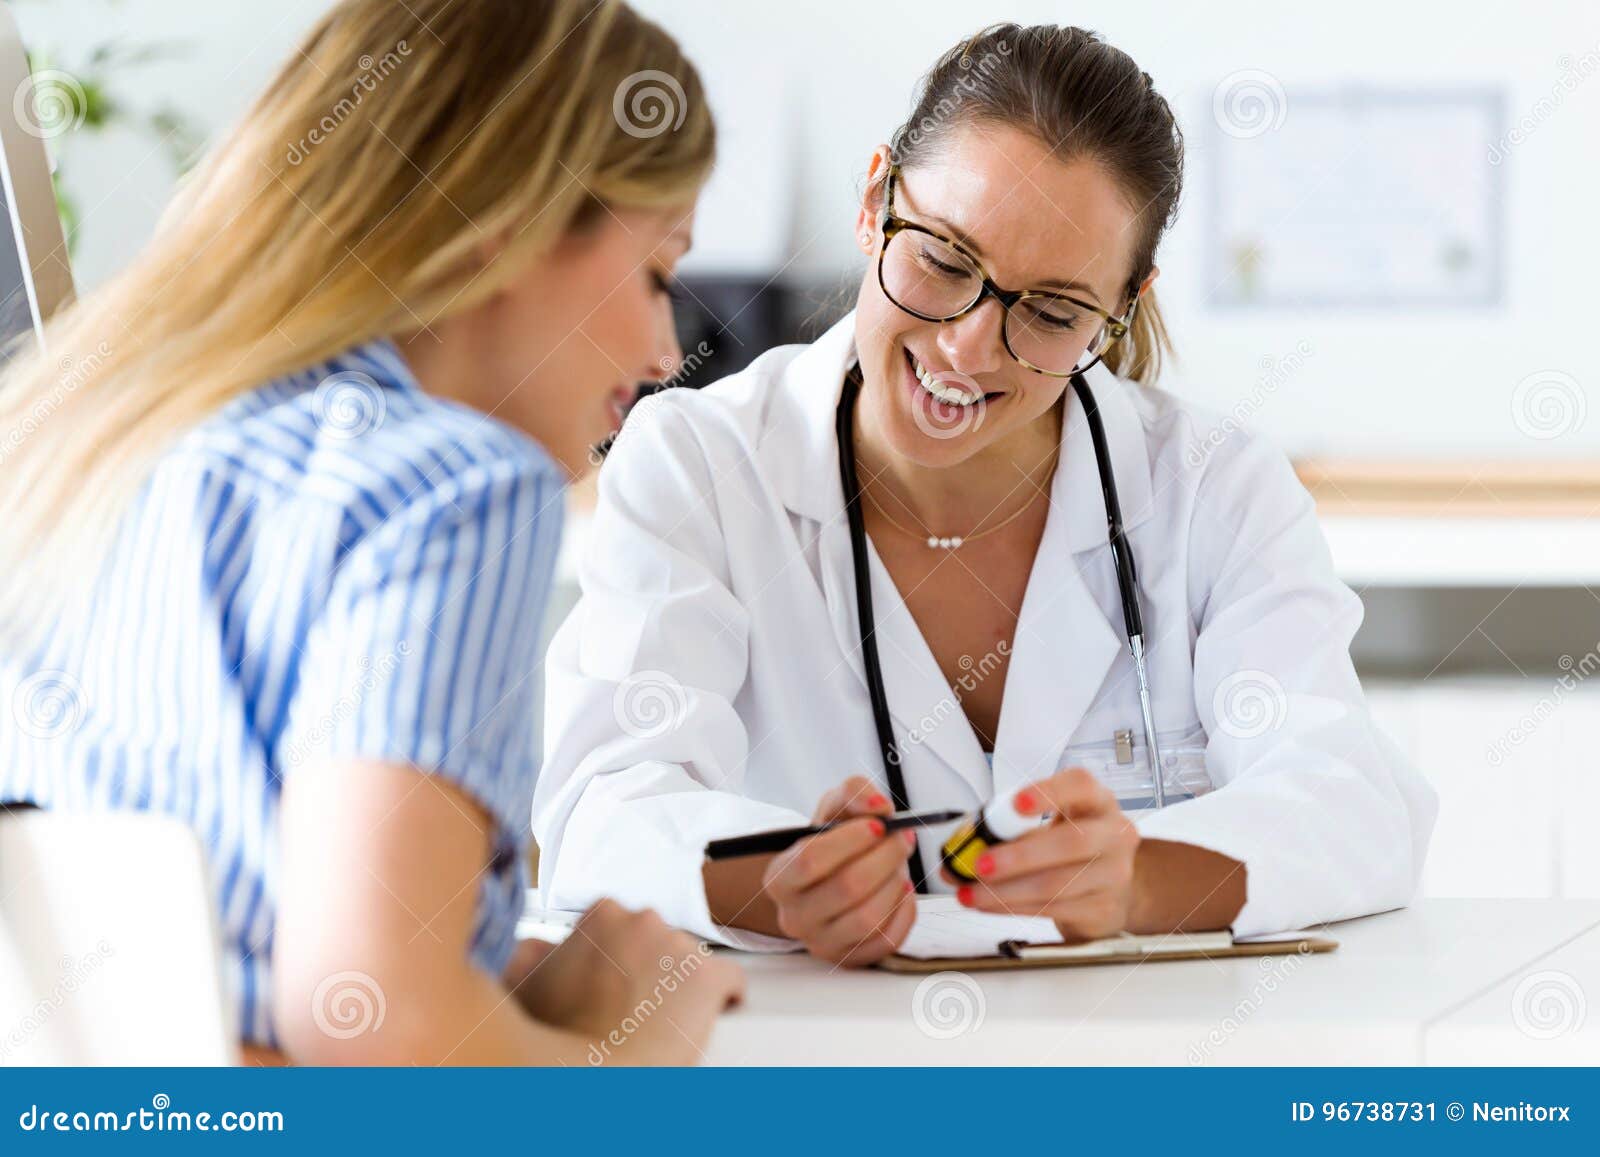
x=806 y=90
x=229 y=49
x=1429 y=382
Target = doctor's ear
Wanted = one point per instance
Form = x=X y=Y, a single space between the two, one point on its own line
x=872 y=200
x=1149 y=282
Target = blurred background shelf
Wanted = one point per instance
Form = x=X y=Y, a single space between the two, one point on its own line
x=1486 y=523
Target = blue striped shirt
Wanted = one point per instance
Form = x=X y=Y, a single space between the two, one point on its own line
x=337 y=564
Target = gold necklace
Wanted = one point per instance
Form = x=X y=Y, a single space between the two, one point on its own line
x=948 y=542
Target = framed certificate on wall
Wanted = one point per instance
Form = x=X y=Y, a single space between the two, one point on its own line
x=1355 y=197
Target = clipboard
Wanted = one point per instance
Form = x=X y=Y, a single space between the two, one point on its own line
x=1014 y=954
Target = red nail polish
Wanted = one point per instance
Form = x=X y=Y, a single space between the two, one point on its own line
x=909 y=887
x=985 y=865
x=877 y=827
x=964 y=895
x=910 y=837
x=1025 y=802
x=877 y=801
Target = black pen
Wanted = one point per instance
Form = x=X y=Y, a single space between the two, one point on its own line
x=776 y=841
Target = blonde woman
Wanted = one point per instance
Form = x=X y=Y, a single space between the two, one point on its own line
x=282 y=502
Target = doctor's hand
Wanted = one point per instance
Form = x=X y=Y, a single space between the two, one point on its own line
x=1078 y=870
x=846 y=894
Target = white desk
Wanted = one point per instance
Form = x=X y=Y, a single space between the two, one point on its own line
x=1430 y=984
x=1554 y=1000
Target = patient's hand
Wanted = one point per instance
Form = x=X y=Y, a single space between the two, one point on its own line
x=525 y=960
x=622 y=966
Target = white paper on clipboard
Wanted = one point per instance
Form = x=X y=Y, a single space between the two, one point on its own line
x=944 y=929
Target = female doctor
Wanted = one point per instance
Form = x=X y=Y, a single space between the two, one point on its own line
x=914 y=510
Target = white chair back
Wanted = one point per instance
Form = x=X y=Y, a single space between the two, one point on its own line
x=109 y=946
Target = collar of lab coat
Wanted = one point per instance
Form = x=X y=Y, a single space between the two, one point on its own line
x=1064 y=643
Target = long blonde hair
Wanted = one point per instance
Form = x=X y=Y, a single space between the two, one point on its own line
x=406 y=162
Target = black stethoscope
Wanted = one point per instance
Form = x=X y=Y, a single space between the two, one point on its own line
x=1127 y=587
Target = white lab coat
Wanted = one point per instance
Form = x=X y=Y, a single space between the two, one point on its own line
x=709 y=683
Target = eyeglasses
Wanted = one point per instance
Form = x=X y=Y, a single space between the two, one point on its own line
x=934 y=278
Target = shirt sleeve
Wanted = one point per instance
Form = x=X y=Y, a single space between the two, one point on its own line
x=426 y=651
x=1318 y=804
x=645 y=752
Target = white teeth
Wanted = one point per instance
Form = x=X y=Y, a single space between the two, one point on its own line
x=948 y=394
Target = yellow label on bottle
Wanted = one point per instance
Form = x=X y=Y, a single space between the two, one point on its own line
x=961 y=852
